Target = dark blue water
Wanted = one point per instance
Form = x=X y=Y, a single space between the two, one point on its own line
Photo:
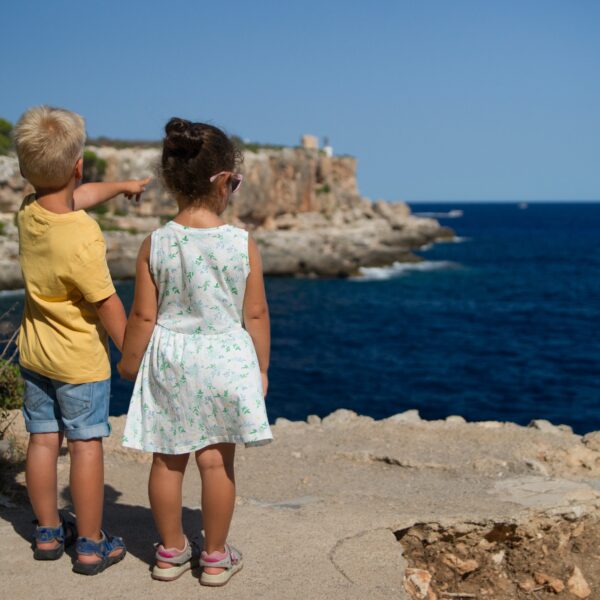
x=504 y=325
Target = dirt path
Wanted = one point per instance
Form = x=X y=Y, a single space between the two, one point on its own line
x=355 y=508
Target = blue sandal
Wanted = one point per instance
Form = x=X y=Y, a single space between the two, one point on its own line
x=65 y=534
x=102 y=550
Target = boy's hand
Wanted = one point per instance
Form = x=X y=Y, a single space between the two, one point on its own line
x=135 y=187
x=124 y=373
x=264 y=378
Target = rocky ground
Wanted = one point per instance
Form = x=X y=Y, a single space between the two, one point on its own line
x=348 y=507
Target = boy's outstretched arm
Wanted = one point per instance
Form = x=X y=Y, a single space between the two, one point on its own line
x=113 y=318
x=89 y=195
x=142 y=317
x=256 y=312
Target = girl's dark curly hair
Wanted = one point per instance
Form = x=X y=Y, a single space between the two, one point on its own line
x=192 y=154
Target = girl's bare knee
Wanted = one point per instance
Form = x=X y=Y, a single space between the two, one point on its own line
x=171 y=462
x=217 y=456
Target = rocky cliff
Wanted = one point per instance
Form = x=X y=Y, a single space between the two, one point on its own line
x=302 y=206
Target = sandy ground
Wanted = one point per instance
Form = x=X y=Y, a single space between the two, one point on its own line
x=332 y=509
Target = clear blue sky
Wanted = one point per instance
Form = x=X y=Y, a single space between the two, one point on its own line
x=470 y=100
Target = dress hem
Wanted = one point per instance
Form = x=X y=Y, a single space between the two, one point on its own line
x=194 y=447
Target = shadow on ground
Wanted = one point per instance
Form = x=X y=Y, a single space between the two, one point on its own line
x=133 y=523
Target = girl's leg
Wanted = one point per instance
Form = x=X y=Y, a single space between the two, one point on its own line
x=40 y=474
x=218 y=495
x=164 y=490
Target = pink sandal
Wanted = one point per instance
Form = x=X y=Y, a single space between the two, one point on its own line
x=230 y=560
x=180 y=561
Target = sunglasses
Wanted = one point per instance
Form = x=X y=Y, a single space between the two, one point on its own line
x=236 y=179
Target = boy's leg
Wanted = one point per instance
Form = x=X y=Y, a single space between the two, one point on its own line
x=164 y=491
x=216 y=466
x=87 y=485
x=84 y=409
x=40 y=475
x=46 y=436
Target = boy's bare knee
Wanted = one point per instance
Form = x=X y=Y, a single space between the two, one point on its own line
x=85 y=447
x=46 y=440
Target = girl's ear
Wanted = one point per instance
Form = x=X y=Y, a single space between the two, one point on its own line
x=79 y=169
x=224 y=187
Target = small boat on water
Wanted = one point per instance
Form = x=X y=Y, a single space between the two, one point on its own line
x=523 y=205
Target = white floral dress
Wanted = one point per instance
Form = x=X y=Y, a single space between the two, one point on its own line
x=199 y=381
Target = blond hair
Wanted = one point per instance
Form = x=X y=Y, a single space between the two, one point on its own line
x=49 y=141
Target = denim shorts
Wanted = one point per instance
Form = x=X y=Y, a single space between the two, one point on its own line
x=80 y=410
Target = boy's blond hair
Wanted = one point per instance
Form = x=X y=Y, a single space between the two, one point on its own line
x=49 y=141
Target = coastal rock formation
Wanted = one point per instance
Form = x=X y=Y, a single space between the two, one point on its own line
x=348 y=507
x=302 y=206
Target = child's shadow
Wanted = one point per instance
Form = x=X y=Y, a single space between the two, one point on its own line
x=135 y=524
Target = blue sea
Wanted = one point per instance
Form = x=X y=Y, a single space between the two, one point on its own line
x=502 y=324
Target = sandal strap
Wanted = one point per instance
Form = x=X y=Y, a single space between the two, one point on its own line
x=49 y=534
x=233 y=556
x=174 y=556
x=101 y=548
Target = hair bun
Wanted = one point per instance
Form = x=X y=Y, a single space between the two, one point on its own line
x=183 y=137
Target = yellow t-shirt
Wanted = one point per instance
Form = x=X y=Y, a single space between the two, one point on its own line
x=63 y=259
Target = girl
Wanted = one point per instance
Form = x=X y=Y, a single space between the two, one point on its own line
x=197 y=345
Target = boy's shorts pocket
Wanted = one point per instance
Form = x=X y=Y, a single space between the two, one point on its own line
x=36 y=390
x=75 y=399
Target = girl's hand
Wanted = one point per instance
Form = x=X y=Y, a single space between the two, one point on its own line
x=135 y=187
x=124 y=373
x=264 y=378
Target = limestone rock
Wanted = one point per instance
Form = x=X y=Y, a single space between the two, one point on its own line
x=554 y=583
x=339 y=417
x=303 y=208
x=544 y=425
x=592 y=440
x=455 y=419
x=577 y=584
x=459 y=565
x=408 y=416
x=417 y=583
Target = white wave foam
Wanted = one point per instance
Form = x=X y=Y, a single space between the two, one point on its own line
x=455 y=213
x=8 y=293
x=399 y=269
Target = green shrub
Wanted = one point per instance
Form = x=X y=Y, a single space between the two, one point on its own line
x=324 y=189
x=2 y=226
x=11 y=385
x=5 y=139
x=94 y=167
x=99 y=209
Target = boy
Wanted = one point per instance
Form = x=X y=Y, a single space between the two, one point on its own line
x=70 y=306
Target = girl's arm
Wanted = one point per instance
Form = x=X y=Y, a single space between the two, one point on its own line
x=89 y=195
x=142 y=317
x=256 y=311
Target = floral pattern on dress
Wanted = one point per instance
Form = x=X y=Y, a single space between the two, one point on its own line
x=199 y=382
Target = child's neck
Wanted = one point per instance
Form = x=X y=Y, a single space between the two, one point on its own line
x=197 y=216
x=57 y=201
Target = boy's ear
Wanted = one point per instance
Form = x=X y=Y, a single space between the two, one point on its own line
x=79 y=169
